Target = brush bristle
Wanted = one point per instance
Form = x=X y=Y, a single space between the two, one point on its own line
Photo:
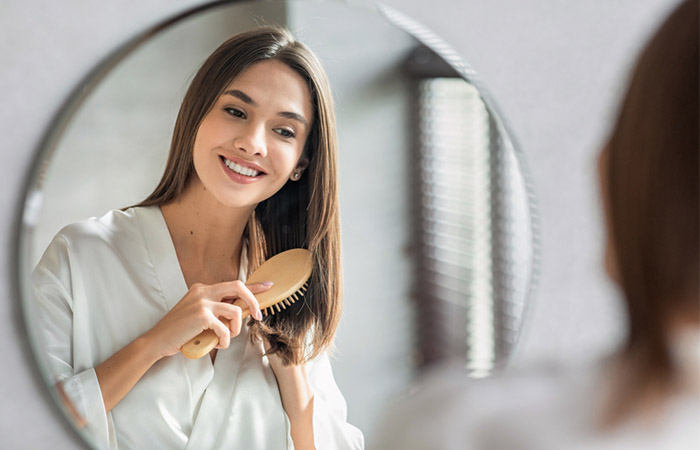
x=270 y=310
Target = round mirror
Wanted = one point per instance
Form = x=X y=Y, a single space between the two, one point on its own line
x=438 y=243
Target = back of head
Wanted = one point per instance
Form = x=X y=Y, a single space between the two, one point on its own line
x=652 y=196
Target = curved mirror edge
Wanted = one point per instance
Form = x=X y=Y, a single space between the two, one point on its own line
x=520 y=292
x=28 y=209
x=59 y=404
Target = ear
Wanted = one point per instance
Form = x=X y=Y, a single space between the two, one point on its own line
x=299 y=169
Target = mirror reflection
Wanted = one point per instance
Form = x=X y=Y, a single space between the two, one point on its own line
x=431 y=201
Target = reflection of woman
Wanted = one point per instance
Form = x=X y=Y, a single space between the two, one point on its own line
x=251 y=172
x=648 y=396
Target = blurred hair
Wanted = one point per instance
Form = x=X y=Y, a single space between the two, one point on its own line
x=651 y=194
x=302 y=213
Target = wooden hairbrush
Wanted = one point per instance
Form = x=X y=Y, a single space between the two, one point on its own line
x=289 y=271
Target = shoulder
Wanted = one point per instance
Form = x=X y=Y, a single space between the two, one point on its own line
x=508 y=389
x=116 y=229
x=544 y=406
x=115 y=233
x=458 y=411
x=113 y=225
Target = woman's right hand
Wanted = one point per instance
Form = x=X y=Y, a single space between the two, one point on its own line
x=205 y=307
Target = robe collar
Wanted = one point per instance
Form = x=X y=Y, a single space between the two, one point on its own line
x=160 y=246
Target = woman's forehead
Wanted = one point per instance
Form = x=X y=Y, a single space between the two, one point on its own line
x=272 y=83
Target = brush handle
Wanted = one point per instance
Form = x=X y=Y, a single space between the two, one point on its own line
x=205 y=341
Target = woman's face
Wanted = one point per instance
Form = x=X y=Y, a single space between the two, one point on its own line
x=250 y=143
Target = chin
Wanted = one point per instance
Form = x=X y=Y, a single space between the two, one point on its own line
x=236 y=203
x=240 y=200
x=241 y=196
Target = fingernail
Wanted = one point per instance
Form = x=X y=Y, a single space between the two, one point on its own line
x=259 y=315
x=267 y=283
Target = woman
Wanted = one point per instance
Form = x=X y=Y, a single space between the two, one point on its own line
x=251 y=173
x=648 y=395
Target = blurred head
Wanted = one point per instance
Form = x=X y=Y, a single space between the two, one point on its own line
x=649 y=181
x=294 y=210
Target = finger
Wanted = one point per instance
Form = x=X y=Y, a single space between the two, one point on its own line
x=231 y=313
x=257 y=288
x=222 y=331
x=238 y=290
x=235 y=325
x=233 y=316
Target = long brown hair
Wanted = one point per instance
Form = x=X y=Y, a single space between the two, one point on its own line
x=302 y=214
x=651 y=193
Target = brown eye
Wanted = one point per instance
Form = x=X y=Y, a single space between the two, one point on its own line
x=285 y=133
x=235 y=112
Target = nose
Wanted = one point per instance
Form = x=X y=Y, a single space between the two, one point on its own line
x=251 y=140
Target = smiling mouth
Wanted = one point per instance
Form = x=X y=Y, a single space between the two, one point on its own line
x=241 y=170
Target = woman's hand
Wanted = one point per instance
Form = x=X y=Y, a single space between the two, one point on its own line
x=205 y=307
x=297 y=399
x=200 y=309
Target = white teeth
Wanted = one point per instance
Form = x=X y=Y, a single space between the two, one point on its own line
x=240 y=169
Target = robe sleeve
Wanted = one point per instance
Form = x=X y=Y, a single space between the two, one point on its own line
x=52 y=286
x=331 y=429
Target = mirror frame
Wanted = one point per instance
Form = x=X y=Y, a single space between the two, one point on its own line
x=442 y=49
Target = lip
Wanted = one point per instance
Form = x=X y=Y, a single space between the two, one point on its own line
x=237 y=177
x=245 y=163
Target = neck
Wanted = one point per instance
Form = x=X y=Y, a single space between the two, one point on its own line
x=207 y=235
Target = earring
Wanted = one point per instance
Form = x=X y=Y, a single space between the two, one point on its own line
x=296 y=176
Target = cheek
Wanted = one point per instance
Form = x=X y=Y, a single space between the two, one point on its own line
x=285 y=160
x=202 y=156
x=199 y=142
x=213 y=130
x=206 y=140
x=197 y=154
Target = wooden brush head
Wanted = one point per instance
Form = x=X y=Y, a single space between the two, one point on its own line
x=289 y=271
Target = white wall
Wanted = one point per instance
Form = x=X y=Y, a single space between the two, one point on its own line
x=554 y=68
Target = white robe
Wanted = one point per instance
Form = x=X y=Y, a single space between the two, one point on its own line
x=103 y=282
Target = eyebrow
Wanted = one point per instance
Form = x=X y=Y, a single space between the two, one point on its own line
x=242 y=96
x=293 y=116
